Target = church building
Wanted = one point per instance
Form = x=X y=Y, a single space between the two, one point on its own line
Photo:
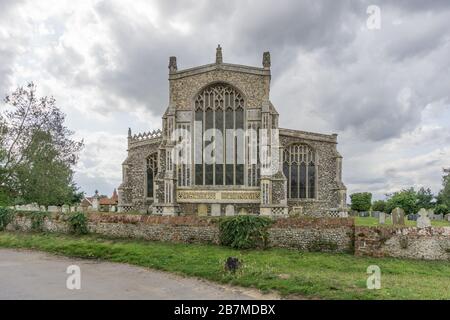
x=221 y=152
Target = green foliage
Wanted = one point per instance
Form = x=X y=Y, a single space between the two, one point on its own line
x=425 y=198
x=441 y=209
x=361 y=201
x=37 y=153
x=78 y=223
x=244 y=232
x=6 y=216
x=379 y=205
x=405 y=199
x=444 y=195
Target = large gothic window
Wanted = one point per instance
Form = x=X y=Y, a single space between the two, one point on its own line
x=299 y=167
x=152 y=170
x=219 y=107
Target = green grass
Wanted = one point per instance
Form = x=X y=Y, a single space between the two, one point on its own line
x=372 y=222
x=289 y=272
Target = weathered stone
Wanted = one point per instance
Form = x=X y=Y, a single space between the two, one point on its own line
x=65 y=209
x=54 y=209
x=42 y=208
x=252 y=85
x=229 y=210
x=215 y=209
x=423 y=221
x=243 y=211
x=381 y=218
x=398 y=216
x=202 y=210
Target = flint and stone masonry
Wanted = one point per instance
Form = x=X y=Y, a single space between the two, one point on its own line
x=305 y=175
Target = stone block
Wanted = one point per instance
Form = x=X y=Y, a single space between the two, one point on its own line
x=215 y=209
x=229 y=210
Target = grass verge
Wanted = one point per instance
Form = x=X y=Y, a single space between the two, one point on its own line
x=289 y=272
x=373 y=222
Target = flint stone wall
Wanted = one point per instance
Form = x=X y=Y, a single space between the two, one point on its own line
x=429 y=243
x=316 y=234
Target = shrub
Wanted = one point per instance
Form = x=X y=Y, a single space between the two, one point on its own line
x=441 y=209
x=379 y=205
x=361 y=201
x=405 y=199
x=6 y=216
x=78 y=223
x=244 y=232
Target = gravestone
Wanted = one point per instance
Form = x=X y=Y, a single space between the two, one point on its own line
x=448 y=217
x=54 y=209
x=398 y=217
x=73 y=209
x=438 y=217
x=382 y=218
x=423 y=221
x=229 y=210
x=42 y=208
x=202 y=210
x=243 y=212
x=112 y=209
x=413 y=217
x=215 y=209
x=65 y=209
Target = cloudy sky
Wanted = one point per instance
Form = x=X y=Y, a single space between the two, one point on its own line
x=384 y=91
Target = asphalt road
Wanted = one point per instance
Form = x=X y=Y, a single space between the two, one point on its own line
x=37 y=275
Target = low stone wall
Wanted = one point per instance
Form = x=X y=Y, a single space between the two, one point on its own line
x=429 y=243
x=315 y=234
x=306 y=233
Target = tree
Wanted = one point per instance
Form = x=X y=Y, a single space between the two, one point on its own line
x=425 y=198
x=37 y=152
x=405 y=199
x=444 y=195
x=441 y=209
x=361 y=201
x=379 y=205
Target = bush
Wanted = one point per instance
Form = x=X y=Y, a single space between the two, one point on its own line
x=78 y=223
x=361 y=201
x=405 y=199
x=244 y=232
x=6 y=216
x=379 y=205
x=441 y=209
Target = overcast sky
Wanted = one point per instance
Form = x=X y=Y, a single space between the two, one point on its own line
x=385 y=92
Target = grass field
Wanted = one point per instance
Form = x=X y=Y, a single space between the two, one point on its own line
x=288 y=272
x=372 y=222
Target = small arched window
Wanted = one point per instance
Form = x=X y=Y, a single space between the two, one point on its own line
x=299 y=167
x=152 y=170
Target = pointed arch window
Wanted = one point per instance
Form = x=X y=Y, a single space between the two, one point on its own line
x=299 y=167
x=219 y=107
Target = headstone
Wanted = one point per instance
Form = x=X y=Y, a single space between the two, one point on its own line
x=42 y=208
x=382 y=218
x=54 y=209
x=375 y=214
x=73 y=209
x=439 y=217
x=229 y=210
x=423 y=221
x=243 y=212
x=112 y=209
x=202 y=210
x=215 y=209
x=413 y=217
x=65 y=209
x=398 y=217
x=448 y=217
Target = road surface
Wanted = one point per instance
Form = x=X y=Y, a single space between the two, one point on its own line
x=35 y=275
